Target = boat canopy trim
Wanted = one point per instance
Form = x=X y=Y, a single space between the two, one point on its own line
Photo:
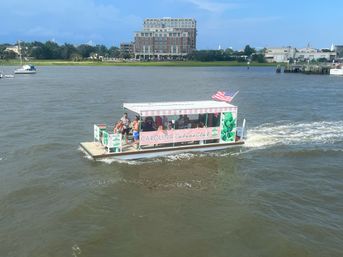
x=177 y=108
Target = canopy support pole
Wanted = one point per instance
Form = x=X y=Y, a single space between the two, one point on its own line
x=140 y=130
x=206 y=125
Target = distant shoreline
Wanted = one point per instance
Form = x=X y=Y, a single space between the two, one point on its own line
x=144 y=64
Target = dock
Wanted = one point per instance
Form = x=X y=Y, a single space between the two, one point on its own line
x=308 y=69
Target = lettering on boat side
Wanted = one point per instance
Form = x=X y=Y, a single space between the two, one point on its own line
x=179 y=135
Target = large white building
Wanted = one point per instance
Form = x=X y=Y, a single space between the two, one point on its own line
x=284 y=54
x=165 y=38
x=339 y=50
x=279 y=54
x=309 y=53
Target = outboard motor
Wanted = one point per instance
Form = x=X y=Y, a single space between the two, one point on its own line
x=241 y=133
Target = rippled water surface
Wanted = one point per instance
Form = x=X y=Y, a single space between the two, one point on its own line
x=279 y=195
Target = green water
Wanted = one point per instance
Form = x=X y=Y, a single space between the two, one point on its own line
x=280 y=195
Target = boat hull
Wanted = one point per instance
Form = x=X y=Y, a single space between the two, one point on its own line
x=92 y=149
x=337 y=72
x=24 y=72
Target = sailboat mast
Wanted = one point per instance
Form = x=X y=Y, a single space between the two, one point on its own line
x=20 y=56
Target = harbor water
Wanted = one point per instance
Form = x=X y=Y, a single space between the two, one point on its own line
x=279 y=195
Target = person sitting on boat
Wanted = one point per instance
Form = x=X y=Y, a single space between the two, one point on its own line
x=160 y=128
x=126 y=126
x=201 y=125
x=180 y=122
x=158 y=121
x=148 y=124
x=165 y=122
x=187 y=122
x=135 y=130
x=118 y=128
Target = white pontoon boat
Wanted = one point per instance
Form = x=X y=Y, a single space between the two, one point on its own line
x=170 y=128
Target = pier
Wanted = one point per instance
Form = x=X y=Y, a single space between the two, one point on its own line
x=308 y=69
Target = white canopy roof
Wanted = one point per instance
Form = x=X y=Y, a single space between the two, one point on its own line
x=177 y=108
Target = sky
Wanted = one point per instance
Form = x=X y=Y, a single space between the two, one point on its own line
x=230 y=23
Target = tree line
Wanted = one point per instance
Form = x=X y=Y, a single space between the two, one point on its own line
x=52 y=51
x=248 y=54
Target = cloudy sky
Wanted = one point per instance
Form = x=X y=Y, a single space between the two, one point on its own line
x=260 y=23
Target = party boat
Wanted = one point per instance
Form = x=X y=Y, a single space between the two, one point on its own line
x=167 y=128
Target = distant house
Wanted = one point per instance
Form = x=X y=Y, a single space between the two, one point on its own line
x=279 y=54
x=308 y=53
x=95 y=56
x=127 y=49
x=339 y=51
x=14 y=49
x=283 y=54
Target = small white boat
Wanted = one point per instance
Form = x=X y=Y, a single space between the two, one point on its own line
x=26 y=69
x=338 y=70
x=1 y=75
x=191 y=126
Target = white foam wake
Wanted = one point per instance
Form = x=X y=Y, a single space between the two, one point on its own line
x=129 y=162
x=324 y=132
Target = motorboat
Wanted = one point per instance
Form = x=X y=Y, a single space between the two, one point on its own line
x=175 y=127
x=278 y=69
x=26 y=69
x=338 y=71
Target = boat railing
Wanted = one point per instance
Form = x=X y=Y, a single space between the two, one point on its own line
x=174 y=136
x=111 y=141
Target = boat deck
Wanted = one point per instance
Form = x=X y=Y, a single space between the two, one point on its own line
x=97 y=151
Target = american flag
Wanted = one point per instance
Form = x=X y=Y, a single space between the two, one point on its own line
x=224 y=96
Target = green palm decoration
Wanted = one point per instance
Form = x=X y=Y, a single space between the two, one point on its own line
x=228 y=125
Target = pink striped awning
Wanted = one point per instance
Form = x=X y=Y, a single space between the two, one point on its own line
x=177 y=108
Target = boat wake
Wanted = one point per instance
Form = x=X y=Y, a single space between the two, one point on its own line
x=130 y=162
x=170 y=158
x=3 y=157
x=269 y=134
x=86 y=155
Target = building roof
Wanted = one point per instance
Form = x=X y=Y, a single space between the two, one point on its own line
x=177 y=108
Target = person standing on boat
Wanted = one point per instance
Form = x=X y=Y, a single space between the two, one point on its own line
x=135 y=130
x=126 y=127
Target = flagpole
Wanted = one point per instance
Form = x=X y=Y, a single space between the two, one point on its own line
x=235 y=94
